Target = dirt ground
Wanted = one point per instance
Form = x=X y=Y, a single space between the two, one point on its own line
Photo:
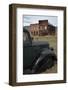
x=52 y=69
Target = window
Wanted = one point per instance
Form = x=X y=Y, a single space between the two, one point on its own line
x=36 y=33
x=25 y=36
x=45 y=27
x=40 y=27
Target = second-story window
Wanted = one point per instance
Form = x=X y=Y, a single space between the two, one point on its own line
x=45 y=27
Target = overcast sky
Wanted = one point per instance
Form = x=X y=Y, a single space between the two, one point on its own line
x=31 y=19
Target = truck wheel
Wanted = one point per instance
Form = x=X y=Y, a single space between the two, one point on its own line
x=44 y=64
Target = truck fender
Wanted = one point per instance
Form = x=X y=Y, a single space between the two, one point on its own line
x=50 y=52
x=43 y=54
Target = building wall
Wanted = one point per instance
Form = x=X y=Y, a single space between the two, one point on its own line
x=34 y=29
x=42 y=28
x=51 y=30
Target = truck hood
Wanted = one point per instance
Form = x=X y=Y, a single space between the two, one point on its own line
x=40 y=43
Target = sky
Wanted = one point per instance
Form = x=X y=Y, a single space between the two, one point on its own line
x=32 y=19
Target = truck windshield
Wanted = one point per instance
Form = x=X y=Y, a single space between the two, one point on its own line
x=25 y=36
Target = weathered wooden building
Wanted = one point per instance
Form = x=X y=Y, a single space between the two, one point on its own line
x=42 y=28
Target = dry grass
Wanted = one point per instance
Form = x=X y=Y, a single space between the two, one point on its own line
x=52 y=40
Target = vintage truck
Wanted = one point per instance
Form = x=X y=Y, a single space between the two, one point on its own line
x=37 y=55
